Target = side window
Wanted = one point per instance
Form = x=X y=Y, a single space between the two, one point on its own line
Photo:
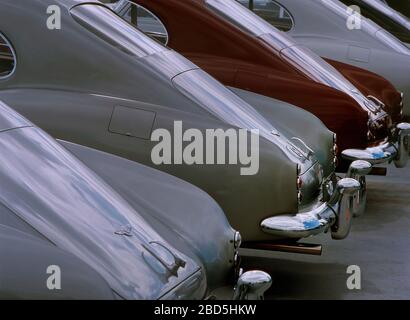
x=7 y=58
x=141 y=18
x=270 y=11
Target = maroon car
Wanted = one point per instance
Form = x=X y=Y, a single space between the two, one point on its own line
x=243 y=51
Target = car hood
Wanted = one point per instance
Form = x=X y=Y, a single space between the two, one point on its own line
x=50 y=189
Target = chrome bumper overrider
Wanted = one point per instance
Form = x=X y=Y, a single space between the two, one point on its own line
x=252 y=285
x=397 y=150
x=347 y=200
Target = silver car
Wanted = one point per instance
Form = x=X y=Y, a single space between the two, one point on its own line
x=333 y=31
x=106 y=228
x=101 y=83
x=393 y=21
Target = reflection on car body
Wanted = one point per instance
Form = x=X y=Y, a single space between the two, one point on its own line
x=321 y=26
x=77 y=211
x=275 y=65
x=149 y=82
x=384 y=16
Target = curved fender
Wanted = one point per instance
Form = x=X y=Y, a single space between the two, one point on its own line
x=31 y=262
x=181 y=208
x=295 y=122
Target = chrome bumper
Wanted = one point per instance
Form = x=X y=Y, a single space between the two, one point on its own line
x=336 y=214
x=397 y=150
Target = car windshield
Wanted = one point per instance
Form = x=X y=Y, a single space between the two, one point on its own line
x=105 y=24
x=367 y=25
x=302 y=58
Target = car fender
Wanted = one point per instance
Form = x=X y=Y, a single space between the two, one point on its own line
x=188 y=216
x=30 y=260
x=295 y=122
x=395 y=67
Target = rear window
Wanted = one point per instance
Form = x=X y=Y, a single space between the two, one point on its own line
x=7 y=58
x=105 y=24
x=142 y=19
x=270 y=11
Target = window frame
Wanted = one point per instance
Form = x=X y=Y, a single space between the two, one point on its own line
x=154 y=16
x=8 y=44
x=291 y=17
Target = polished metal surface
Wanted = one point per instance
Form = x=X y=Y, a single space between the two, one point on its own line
x=358 y=170
x=347 y=187
x=237 y=241
x=288 y=247
x=335 y=214
x=396 y=149
x=252 y=285
x=403 y=143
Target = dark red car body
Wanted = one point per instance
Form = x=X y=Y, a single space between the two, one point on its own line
x=240 y=60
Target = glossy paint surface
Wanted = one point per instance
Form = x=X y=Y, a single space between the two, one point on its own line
x=266 y=68
x=48 y=188
x=76 y=99
x=400 y=6
x=385 y=17
x=321 y=26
